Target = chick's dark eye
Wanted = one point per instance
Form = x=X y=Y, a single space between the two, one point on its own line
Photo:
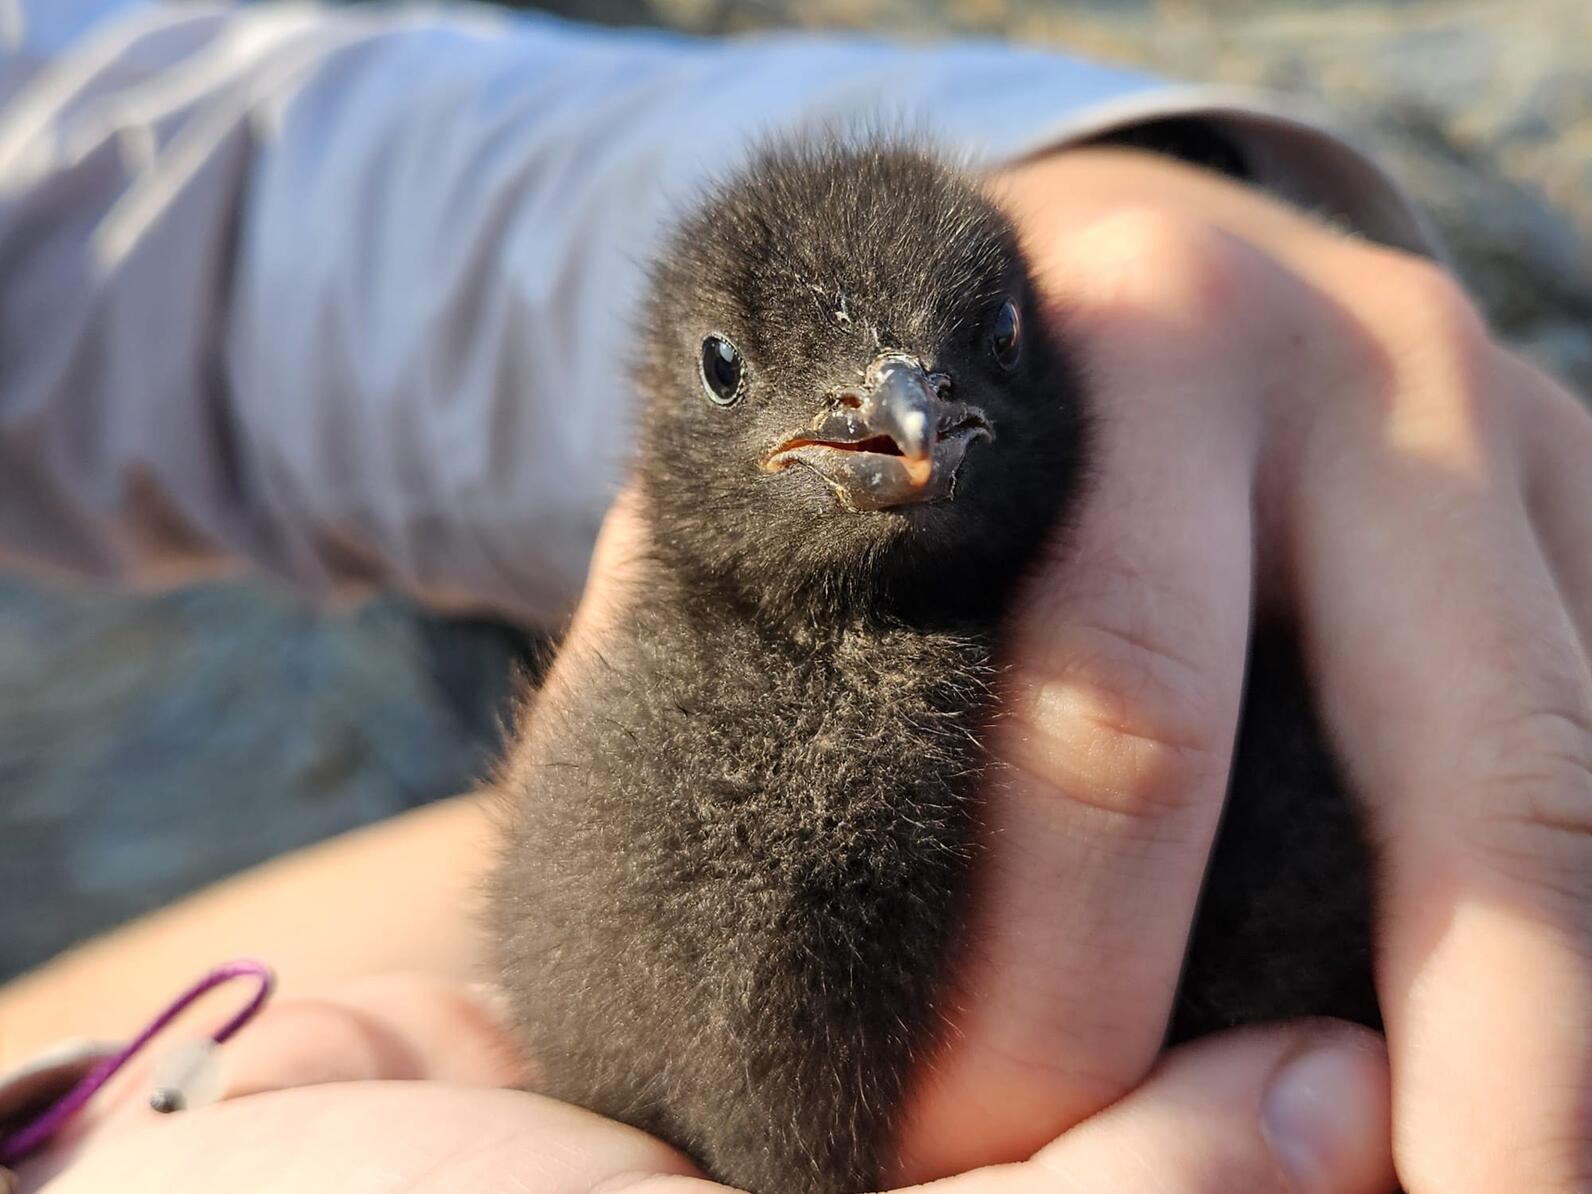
x=1006 y=336
x=721 y=370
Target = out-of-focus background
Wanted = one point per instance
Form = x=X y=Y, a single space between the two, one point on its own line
x=149 y=745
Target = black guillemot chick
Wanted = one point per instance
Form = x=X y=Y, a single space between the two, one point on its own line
x=736 y=866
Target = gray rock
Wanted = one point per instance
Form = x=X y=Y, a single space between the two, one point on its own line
x=149 y=746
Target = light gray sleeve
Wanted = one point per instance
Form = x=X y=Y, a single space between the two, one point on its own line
x=346 y=293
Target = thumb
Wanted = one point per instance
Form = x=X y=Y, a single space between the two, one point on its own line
x=1298 y=1108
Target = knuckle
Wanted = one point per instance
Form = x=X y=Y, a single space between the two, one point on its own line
x=1427 y=298
x=1120 y=723
x=1532 y=810
x=1431 y=330
x=1429 y=373
x=1154 y=259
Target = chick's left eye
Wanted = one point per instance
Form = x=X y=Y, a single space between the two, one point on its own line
x=721 y=370
x=1006 y=336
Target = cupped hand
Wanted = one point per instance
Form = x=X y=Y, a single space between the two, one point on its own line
x=1290 y=415
x=397 y=1084
x=1288 y=412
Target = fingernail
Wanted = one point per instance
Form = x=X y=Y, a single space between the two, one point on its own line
x=1321 y=1113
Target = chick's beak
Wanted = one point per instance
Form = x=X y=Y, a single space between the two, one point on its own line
x=902 y=406
x=894 y=441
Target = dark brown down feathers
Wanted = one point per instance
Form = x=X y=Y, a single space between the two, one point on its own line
x=733 y=883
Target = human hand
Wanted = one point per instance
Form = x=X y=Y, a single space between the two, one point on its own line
x=395 y=1083
x=1288 y=410
x=1253 y=370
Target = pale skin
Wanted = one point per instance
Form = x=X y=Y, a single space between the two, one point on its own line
x=1287 y=412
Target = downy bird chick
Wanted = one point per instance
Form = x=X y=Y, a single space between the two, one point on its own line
x=737 y=861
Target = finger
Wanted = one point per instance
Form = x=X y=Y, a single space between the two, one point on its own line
x=1298 y=1108
x=1456 y=687
x=620 y=544
x=1559 y=485
x=384 y=1028
x=366 y=1138
x=1125 y=669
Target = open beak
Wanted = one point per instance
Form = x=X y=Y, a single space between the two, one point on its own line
x=894 y=441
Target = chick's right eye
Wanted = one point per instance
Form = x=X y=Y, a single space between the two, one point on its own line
x=721 y=370
x=1006 y=336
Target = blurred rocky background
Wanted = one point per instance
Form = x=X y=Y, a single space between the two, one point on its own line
x=149 y=745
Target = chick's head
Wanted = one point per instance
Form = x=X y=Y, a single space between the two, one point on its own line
x=851 y=396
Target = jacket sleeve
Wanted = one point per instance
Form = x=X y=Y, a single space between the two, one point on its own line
x=346 y=293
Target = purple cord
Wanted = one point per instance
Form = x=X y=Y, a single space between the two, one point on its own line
x=31 y=1135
